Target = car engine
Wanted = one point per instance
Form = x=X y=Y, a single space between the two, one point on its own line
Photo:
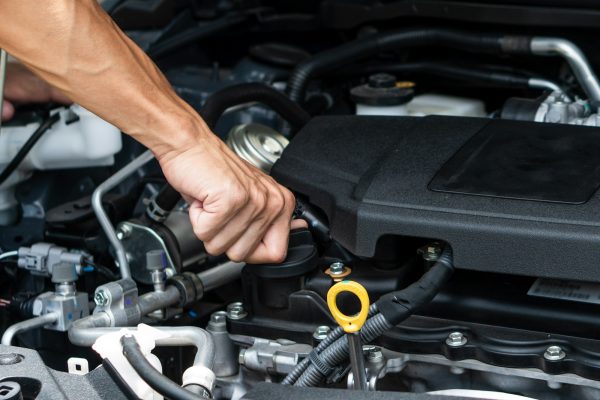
x=445 y=156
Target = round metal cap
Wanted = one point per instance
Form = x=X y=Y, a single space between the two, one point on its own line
x=258 y=144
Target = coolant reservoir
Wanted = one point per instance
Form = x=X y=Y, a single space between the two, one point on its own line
x=78 y=139
x=383 y=95
x=438 y=104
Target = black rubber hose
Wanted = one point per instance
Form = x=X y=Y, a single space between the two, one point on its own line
x=442 y=70
x=195 y=34
x=218 y=102
x=150 y=375
x=23 y=151
x=369 y=46
x=167 y=199
x=401 y=304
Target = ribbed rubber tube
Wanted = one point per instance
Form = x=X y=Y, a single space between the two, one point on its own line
x=393 y=308
x=334 y=335
x=337 y=352
x=369 y=46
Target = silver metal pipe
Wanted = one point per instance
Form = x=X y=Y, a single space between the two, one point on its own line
x=84 y=333
x=3 y=62
x=27 y=325
x=538 y=83
x=153 y=301
x=220 y=275
x=103 y=219
x=549 y=46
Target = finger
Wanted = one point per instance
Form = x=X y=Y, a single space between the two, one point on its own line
x=231 y=233
x=244 y=232
x=298 y=224
x=248 y=241
x=207 y=221
x=273 y=246
x=8 y=110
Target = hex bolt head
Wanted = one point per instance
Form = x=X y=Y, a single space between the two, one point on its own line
x=373 y=353
x=456 y=339
x=554 y=353
x=218 y=317
x=336 y=268
x=430 y=252
x=100 y=298
x=123 y=232
x=241 y=358
x=236 y=311
x=321 y=332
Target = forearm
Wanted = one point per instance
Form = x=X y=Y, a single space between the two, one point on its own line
x=75 y=46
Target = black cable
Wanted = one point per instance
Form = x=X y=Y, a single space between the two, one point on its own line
x=150 y=375
x=23 y=151
x=193 y=35
x=372 y=45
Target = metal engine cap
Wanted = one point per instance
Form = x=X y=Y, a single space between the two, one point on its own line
x=258 y=144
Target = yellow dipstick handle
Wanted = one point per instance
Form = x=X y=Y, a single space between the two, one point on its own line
x=349 y=323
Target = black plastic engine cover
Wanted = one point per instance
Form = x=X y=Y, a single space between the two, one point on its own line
x=509 y=196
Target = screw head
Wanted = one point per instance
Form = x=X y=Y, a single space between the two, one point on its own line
x=321 y=332
x=100 y=298
x=336 y=268
x=236 y=311
x=456 y=339
x=554 y=353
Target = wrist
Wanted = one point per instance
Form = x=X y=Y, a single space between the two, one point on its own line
x=177 y=135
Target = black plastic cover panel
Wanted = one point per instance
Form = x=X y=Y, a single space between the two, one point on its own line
x=509 y=196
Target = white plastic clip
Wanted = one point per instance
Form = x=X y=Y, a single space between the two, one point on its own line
x=109 y=347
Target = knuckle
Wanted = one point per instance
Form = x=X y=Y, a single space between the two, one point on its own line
x=201 y=233
x=276 y=203
x=236 y=255
x=212 y=249
x=278 y=255
x=239 y=197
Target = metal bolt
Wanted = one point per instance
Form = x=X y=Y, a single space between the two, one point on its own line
x=100 y=298
x=456 y=339
x=123 y=232
x=218 y=317
x=337 y=268
x=241 y=359
x=236 y=311
x=321 y=332
x=373 y=353
x=431 y=252
x=554 y=353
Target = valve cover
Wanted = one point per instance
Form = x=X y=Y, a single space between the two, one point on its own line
x=508 y=196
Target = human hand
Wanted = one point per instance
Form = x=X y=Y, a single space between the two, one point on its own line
x=22 y=86
x=234 y=207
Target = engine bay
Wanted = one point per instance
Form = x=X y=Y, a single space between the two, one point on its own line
x=444 y=155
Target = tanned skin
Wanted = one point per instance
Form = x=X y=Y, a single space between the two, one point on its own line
x=77 y=48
